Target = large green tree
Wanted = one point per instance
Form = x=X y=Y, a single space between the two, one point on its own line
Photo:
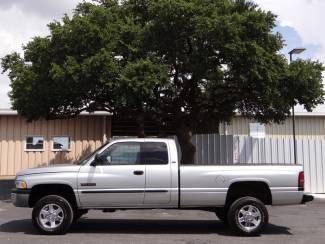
x=184 y=64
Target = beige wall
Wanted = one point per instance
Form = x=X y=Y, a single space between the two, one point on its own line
x=306 y=127
x=86 y=133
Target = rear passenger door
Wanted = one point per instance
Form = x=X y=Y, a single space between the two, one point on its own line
x=158 y=173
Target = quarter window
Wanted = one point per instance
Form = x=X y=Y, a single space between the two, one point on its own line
x=34 y=143
x=61 y=143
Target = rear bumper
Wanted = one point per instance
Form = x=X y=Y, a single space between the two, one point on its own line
x=20 y=197
x=307 y=198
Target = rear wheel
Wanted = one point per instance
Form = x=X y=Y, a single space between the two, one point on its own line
x=52 y=215
x=247 y=216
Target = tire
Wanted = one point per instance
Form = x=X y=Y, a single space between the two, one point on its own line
x=52 y=215
x=222 y=215
x=247 y=216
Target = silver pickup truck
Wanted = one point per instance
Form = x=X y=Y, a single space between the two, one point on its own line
x=145 y=174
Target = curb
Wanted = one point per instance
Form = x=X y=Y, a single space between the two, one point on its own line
x=319 y=196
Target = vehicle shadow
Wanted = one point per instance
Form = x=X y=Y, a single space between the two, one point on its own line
x=141 y=226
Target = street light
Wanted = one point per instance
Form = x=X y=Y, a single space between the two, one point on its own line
x=294 y=51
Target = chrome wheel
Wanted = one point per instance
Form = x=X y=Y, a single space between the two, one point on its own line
x=249 y=218
x=51 y=216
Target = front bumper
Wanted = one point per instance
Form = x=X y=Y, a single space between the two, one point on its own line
x=20 y=197
x=307 y=198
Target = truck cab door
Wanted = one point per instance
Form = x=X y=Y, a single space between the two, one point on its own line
x=118 y=180
x=158 y=173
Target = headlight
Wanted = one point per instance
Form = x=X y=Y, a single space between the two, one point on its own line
x=21 y=184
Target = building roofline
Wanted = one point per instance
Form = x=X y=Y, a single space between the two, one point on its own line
x=8 y=112
x=104 y=113
x=300 y=114
x=314 y=114
x=97 y=113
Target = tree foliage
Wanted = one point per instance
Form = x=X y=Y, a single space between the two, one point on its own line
x=182 y=63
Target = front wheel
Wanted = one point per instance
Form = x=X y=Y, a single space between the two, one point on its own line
x=52 y=215
x=247 y=216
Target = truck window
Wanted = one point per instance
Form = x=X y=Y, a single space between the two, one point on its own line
x=154 y=153
x=122 y=153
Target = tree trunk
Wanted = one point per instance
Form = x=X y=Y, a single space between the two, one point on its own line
x=140 y=122
x=188 y=149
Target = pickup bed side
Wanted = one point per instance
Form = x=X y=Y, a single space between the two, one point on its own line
x=210 y=185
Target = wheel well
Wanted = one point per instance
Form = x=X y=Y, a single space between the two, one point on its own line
x=40 y=191
x=257 y=189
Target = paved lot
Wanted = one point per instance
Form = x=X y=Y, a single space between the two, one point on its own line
x=289 y=224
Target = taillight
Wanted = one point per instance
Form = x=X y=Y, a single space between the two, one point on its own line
x=301 y=181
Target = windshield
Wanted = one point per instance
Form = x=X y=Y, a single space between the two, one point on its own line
x=85 y=159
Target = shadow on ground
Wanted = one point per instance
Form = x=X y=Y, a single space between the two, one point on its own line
x=140 y=226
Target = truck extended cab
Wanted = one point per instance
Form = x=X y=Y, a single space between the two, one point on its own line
x=145 y=174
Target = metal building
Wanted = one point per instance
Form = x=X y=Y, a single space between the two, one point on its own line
x=24 y=145
x=308 y=125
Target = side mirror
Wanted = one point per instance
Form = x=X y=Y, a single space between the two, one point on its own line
x=93 y=163
x=100 y=160
x=97 y=160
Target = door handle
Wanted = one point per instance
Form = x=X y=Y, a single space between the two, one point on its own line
x=138 y=172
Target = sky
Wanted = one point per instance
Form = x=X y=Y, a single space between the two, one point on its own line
x=20 y=20
x=299 y=21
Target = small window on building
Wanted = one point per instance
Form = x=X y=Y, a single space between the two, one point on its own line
x=34 y=143
x=257 y=130
x=61 y=143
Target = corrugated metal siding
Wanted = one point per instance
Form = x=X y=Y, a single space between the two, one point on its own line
x=306 y=127
x=213 y=149
x=86 y=133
